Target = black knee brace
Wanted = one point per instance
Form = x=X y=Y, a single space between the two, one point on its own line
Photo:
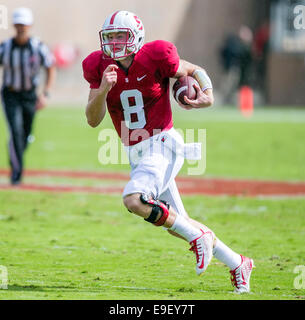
x=158 y=206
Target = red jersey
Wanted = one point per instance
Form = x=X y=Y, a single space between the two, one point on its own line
x=139 y=103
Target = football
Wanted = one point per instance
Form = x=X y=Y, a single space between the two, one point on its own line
x=184 y=86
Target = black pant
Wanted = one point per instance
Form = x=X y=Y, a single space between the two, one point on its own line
x=19 y=110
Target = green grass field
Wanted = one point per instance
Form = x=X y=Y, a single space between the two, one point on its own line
x=87 y=246
x=268 y=146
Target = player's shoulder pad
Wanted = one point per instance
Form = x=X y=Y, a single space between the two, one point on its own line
x=159 y=49
x=92 y=68
x=92 y=61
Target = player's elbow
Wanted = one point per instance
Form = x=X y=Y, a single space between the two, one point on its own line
x=93 y=119
x=93 y=123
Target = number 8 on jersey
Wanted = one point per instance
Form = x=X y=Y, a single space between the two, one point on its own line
x=137 y=108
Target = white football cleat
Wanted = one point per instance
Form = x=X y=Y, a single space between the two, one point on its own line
x=240 y=277
x=203 y=249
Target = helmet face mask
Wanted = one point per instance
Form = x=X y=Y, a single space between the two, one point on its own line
x=113 y=44
x=120 y=49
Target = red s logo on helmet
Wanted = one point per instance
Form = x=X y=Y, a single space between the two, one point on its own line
x=139 y=24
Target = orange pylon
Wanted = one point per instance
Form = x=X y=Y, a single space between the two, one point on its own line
x=246 y=101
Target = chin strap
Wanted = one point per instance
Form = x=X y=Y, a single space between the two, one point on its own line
x=158 y=207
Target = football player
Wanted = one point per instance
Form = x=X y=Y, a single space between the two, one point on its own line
x=131 y=80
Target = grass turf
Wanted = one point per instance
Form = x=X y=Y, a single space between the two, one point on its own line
x=81 y=246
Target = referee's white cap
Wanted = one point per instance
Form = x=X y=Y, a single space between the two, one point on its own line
x=23 y=16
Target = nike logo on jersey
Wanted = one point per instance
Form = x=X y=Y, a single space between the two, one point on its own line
x=141 y=78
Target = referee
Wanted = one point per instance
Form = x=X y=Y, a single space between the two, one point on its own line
x=21 y=58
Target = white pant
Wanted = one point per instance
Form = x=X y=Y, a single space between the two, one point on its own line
x=155 y=163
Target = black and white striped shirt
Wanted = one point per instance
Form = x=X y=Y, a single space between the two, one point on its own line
x=21 y=63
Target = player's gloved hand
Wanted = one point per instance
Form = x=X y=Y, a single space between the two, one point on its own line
x=203 y=100
x=110 y=78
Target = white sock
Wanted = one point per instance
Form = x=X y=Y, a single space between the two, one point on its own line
x=185 y=229
x=226 y=255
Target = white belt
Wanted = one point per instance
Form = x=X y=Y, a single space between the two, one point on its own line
x=174 y=142
x=171 y=140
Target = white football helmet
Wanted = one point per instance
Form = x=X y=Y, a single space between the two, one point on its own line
x=129 y=23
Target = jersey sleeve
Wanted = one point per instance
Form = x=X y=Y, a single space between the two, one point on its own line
x=91 y=69
x=166 y=57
